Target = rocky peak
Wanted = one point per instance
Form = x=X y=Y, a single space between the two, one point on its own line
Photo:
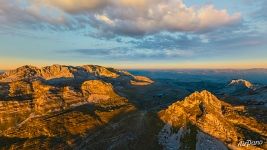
x=203 y=99
x=196 y=105
x=240 y=83
x=24 y=72
x=210 y=115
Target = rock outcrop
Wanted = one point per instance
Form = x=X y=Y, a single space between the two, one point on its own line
x=61 y=73
x=244 y=92
x=41 y=91
x=56 y=71
x=102 y=93
x=59 y=87
x=237 y=87
x=102 y=71
x=141 y=80
x=22 y=73
x=204 y=113
x=43 y=105
x=240 y=83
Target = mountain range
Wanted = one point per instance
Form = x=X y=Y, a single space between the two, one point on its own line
x=94 y=107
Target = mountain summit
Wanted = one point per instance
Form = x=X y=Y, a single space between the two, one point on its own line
x=203 y=118
x=241 y=83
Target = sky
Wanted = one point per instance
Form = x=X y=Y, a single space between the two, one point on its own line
x=136 y=34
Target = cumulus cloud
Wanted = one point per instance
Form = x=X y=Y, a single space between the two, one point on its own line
x=118 y=17
x=74 y=6
x=21 y=14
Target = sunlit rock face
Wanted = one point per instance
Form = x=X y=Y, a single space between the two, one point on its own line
x=57 y=71
x=23 y=73
x=203 y=112
x=13 y=112
x=101 y=71
x=58 y=87
x=60 y=73
x=240 y=83
x=99 y=92
x=44 y=105
x=141 y=80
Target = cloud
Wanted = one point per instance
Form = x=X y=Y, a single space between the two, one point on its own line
x=117 y=17
x=75 y=6
x=169 y=41
x=105 y=19
x=159 y=16
x=123 y=53
x=261 y=12
x=226 y=40
x=17 y=14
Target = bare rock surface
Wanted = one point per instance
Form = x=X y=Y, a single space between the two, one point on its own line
x=204 y=112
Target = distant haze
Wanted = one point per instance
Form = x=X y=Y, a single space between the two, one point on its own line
x=258 y=76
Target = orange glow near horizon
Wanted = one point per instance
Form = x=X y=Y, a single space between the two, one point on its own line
x=131 y=65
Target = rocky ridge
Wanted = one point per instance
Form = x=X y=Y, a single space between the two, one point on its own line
x=31 y=73
x=204 y=114
x=244 y=92
x=241 y=82
x=29 y=96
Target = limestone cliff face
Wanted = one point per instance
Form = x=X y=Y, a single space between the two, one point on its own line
x=141 y=80
x=100 y=92
x=24 y=72
x=57 y=71
x=58 y=87
x=72 y=97
x=48 y=98
x=101 y=71
x=52 y=87
x=62 y=102
x=208 y=114
x=61 y=73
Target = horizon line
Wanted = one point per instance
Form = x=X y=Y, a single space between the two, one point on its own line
x=149 y=68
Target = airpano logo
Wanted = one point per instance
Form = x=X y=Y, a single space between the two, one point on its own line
x=250 y=143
